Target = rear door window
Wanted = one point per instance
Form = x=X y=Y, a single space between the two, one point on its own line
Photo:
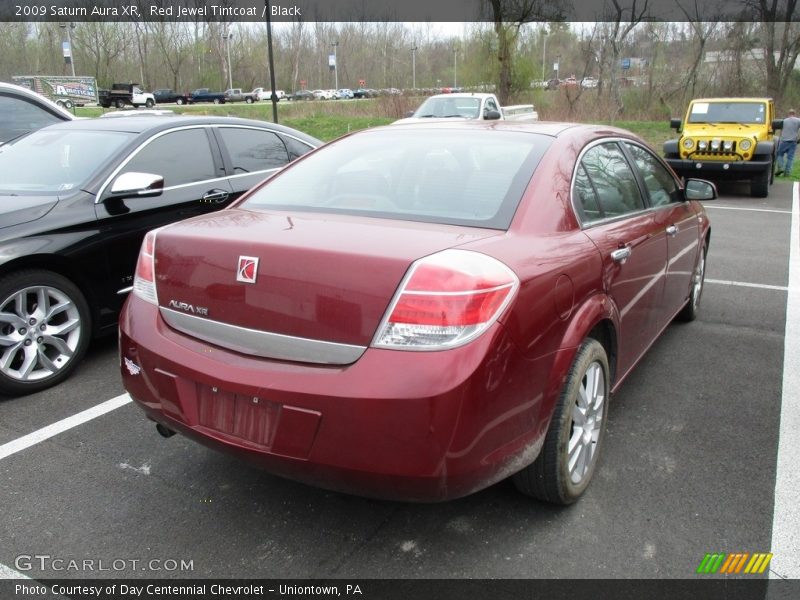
x=613 y=180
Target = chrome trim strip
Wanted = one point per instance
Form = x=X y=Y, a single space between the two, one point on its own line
x=262 y=343
x=125 y=290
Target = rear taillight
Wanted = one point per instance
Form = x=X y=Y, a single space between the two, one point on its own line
x=144 y=280
x=446 y=300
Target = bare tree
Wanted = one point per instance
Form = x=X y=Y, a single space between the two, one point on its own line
x=508 y=16
x=781 y=38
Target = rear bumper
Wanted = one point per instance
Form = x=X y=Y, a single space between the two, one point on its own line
x=412 y=426
x=732 y=170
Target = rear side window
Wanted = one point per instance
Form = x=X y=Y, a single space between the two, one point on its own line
x=252 y=150
x=612 y=179
x=584 y=193
x=180 y=157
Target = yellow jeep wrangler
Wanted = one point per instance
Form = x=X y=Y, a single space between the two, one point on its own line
x=726 y=139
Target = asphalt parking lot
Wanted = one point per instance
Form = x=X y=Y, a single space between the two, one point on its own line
x=690 y=467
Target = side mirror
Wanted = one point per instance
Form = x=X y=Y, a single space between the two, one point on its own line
x=132 y=184
x=776 y=124
x=699 y=189
x=675 y=124
x=492 y=115
x=410 y=113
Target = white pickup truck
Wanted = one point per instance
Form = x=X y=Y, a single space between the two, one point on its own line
x=469 y=106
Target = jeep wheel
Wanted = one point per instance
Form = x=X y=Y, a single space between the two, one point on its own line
x=759 y=185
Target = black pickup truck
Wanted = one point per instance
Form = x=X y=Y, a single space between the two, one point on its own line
x=167 y=96
x=206 y=95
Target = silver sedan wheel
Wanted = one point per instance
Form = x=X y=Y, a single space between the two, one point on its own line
x=40 y=329
x=587 y=423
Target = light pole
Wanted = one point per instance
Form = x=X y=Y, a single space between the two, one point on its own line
x=414 y=66
x=69 y=45
x=335 y=66
x=455 y=66
x=544 y=54
x=227 y=37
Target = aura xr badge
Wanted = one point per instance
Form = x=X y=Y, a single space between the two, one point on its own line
x=248 y=269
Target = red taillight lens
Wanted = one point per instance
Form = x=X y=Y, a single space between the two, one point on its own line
x=447 y=300
x=144 y=280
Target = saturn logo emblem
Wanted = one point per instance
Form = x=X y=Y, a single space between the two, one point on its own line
x=248 y=269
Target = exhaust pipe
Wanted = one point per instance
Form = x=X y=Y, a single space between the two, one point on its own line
x=164 y=431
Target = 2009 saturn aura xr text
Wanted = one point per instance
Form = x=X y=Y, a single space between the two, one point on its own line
x=419 y=311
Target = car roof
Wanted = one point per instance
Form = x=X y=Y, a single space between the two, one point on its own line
x=156 y=123
x=732 y=100
x=465 y=95
x=549 y=128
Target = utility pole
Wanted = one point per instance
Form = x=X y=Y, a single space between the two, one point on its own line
x=227 y=37
x=335 y=66
x=68 y=54
x=414 y=66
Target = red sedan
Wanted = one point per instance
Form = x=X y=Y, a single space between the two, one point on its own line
x=417 y=312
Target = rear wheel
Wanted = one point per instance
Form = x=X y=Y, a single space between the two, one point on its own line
x=568 y=459
x=249 y=100
x=149 y=103
x=44 y=330
x=217 y=101
x=68 y=104
x=179 y=101
x=120 y=104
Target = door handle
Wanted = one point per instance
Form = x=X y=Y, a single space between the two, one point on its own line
x=216 y=196
x=621 y=255
x=672 y=230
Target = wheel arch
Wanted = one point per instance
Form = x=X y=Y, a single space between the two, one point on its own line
x=62 y=266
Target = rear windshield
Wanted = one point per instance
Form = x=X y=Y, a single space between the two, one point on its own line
x=474 y=178
x=728 y=112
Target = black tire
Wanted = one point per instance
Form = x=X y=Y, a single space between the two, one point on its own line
x=68 y=104
x=759 y=185
x=149 y=103
x=179 y=101
x=549 y=477
x=217 y=101
x=249 y=100
x=690 y=311
x=57 y=352
x=120 y=104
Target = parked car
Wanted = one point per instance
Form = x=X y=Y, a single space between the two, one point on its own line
x=23 y=111
x=590 y=82
x=480 y=106
x=344 y=94
x=362 y=93
x=418 y=312
x=167 y=96
x=76 y=199
x=302 y=95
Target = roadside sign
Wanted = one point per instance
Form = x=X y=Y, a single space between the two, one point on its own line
x=626 y=63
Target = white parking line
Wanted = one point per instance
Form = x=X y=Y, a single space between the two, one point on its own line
x=44 y=433
x=766 y=210
x=763 y=286
x=786 y=516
